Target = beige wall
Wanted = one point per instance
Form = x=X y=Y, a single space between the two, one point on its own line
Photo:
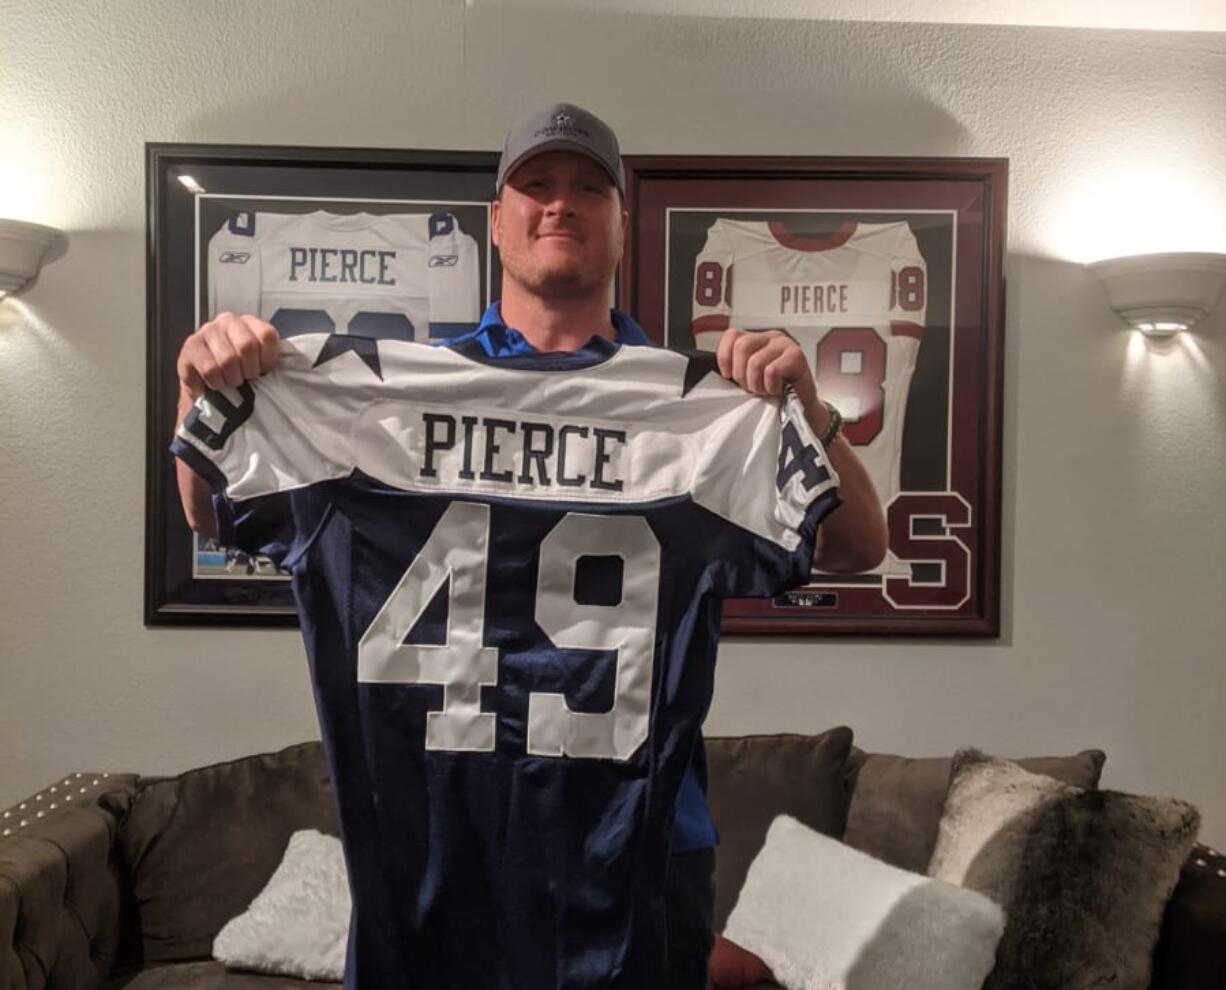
x=1115 y=460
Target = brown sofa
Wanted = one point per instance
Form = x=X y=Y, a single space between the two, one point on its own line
x=118 y=880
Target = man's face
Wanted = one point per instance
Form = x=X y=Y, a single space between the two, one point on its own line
x=559 y=225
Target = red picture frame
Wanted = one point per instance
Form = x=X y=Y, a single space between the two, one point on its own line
x=917 y=246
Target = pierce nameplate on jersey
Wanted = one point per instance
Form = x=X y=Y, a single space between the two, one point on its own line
x=522 y=452
x=316 y=264
x=805 y=300
x=792 y=304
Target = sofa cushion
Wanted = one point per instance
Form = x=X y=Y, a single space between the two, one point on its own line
x=198 y=847
x=752 y=779
x=896 y=803
x=1083 y=875
x=822 y=915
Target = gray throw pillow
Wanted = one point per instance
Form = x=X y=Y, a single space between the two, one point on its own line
x=753 y=779
x=1083 y=875
x=897 y=801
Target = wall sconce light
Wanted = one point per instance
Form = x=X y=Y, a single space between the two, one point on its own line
x=1162 y=294
x=24 y=249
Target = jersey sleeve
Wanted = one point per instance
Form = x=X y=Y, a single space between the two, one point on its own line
x=909 y=289
x=258 y=443
x=234 y=267
x=453 y=274
x=712 y=288
x=765 y=476
x=258 y=526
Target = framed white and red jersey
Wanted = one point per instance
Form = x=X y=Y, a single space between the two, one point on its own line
x=888 y=273
x=855 y=300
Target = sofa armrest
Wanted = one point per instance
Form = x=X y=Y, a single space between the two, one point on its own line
x=60 y=888
x=1191 y=953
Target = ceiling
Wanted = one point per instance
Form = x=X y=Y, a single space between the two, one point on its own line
x=1152 y=15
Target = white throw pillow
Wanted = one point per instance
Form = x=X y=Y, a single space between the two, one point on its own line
x=824 y=916
x=298 y=925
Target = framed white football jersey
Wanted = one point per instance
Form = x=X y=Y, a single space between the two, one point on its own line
x=411 y=276
x=855 y=300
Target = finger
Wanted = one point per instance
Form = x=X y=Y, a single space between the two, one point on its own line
x=754 y=366
x=191 y=380
x=746 y=346
x=794 y=371
x=269 y=342
x=241 y=332
x=228 y=369
x=723 y=353
x=787 y=363
x=775 y=376
x=757 y=362
x=769 y=356
x=246 y=348
x=186 y=371
x=198 y=366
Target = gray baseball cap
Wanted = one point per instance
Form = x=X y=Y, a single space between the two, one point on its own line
x=563 y=127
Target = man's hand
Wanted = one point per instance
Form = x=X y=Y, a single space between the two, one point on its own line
x=227 y=351
x=765 y=362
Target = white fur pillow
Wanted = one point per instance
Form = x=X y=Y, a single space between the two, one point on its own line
x=298 y=925
x=824 y=916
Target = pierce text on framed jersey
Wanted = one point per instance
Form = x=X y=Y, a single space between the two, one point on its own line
x=358 y=243
x=889 y=274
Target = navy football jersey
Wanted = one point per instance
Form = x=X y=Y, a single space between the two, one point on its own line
x=508 y=575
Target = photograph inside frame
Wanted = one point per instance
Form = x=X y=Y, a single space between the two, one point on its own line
x=869 y=296
x=411 y=270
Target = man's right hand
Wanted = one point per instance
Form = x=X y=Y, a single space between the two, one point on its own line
x=227 y=351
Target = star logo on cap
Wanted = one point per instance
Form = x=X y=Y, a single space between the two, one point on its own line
x=563 y=120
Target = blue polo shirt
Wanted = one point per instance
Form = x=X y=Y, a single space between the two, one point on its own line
x=694 y=828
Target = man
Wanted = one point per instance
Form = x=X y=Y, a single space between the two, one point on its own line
x=559 y=223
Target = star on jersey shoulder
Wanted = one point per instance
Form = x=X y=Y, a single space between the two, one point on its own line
x=366 y=348
x=698 y=365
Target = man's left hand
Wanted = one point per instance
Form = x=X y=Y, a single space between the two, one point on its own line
x=765 y=362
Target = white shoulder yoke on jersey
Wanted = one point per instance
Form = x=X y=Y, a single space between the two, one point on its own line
x=640 y=426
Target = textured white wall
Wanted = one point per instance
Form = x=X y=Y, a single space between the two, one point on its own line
x=1115 y=460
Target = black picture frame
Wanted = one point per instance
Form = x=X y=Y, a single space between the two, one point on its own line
x=189 y=189
x=693 y=219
